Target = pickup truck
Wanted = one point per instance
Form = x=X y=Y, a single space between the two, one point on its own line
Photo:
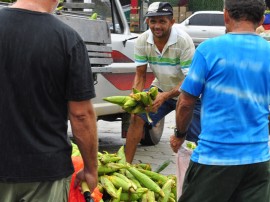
x=110 y=45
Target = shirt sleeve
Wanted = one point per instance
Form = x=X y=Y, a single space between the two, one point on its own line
x=187 y=54
x=80 y=84
x=195 y=80
x=139 y=53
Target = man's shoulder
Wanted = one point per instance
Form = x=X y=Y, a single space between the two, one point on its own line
x=144 y=36
x=181 y=36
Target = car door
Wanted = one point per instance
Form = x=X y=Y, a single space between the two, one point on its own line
x=217 y=26
x=198 y=27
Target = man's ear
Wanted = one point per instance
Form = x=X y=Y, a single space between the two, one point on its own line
x=147 y=20
x=173 y=21
x=226 y=17
x=262 y=20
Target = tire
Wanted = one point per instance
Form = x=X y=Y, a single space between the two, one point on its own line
x=152 y=135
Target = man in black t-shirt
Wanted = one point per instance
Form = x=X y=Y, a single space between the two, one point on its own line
x=45 y=77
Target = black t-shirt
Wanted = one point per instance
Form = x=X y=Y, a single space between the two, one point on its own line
x=43 y=65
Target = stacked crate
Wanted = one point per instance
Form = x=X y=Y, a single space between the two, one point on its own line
x=180 y=13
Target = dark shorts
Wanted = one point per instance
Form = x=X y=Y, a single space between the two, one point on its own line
x=242 y=183
x=170 y=105
x=54 y=191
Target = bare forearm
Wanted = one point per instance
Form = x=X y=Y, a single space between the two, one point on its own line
x=172 y=93
x=139 y=83
x=84 y=129
x=140 y=77
x=184 y=112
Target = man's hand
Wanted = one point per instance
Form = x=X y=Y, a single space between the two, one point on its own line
x=90 y=178
x=160 y=99
x=176 y=143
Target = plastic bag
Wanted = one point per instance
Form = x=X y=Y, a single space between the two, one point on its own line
x=75 y=195
x=182 y=162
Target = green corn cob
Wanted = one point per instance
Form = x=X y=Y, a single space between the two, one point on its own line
x=108 y=185
x=153 y=91
x=145 y=180
x=119 y=100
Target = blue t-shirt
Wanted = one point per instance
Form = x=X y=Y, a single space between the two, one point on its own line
x=232 y=75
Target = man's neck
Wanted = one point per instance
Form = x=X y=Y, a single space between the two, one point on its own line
x=33 y=5
x=161 y=42
x=243 y=26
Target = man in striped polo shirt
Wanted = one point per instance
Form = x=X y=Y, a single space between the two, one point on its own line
x=168 y=51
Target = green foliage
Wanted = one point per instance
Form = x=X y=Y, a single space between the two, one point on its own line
x=172 y=2
x=200 y=5
x=8 y=1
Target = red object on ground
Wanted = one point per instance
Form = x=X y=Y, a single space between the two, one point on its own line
x=75 y=195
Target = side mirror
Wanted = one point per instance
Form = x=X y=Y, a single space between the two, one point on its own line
x=187 y=22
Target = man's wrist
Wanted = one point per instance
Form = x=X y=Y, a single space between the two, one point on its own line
x=179 y=134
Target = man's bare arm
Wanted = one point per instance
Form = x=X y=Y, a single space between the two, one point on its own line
x=184 y=111
x=83 y=123
x=140 y=77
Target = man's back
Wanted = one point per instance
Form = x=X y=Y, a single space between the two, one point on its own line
x=37 y=80
x=235 y=99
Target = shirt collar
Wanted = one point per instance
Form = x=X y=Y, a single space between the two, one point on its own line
x=172 y=39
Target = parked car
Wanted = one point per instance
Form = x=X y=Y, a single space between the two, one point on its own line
x=203 y=25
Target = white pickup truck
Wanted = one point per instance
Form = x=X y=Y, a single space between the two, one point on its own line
x=110 y=46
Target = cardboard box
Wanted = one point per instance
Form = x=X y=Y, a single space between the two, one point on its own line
x=175 y=10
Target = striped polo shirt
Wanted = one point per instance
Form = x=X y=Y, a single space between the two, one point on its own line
x=169 y=65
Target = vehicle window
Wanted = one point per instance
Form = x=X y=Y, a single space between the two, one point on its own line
x=217 y=20
x=106 y=10
x=200 y=20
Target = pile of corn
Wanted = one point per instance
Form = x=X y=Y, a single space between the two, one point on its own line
x=136 y=102
x=120 y=181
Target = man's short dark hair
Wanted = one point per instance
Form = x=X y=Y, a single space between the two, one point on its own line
x=250 y=10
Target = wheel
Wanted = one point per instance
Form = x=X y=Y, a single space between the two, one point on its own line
x=152 y=135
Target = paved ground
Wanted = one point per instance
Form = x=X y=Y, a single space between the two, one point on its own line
x=110 y=140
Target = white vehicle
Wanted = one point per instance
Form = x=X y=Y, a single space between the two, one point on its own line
x=110 y=46
x=203 y=25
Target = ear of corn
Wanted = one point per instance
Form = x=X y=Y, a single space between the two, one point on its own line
x=109 y=168
x=119 y=100
x=85 y=187
x=160 y=179
x=153 y=92
x=93 y=16
x=138 y=109
x=119 y=182
x=137 y=182
x=145 y=180
x=167 y=190
x=121 y=153
x=145 y=166
x=163 y=166
x=130 y=196
x=123 y=177
x=106 y=158
x=108 y=185
x=118 y=193
x=137 y=102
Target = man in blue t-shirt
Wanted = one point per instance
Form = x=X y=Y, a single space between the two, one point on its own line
x=231 y=73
